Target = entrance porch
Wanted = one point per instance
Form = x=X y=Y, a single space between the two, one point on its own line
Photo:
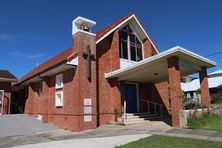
x=153 y=85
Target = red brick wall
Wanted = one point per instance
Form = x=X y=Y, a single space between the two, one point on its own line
x=76 y=88
x=145 y=93
x=86 y=88
x=108 y=90
x=6 y=86
x=157 y=93
x=205 y=94
x=175 y=89
x=161 y=92
x=147 y=46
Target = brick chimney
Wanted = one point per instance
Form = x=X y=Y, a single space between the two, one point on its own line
x=84 y=43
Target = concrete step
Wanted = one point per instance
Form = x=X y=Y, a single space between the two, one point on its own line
x=133 y=118
x=135 y=122
x=140 y=116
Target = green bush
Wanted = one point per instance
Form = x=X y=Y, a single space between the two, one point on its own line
x=216 y=97
x=192 y=104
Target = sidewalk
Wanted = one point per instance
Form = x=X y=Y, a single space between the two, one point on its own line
x=108 y=142
x=191 y=133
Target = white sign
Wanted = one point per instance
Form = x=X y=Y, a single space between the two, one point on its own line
x=87 y=118
x=87 y=102
x=87 y=110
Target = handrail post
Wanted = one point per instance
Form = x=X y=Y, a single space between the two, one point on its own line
x=124 y=112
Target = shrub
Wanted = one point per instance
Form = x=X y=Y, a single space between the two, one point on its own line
x=192 y=104
x=216 y=97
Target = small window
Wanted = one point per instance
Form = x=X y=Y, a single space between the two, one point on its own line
x=59 y=99
x=39 y=89
x=59 y=81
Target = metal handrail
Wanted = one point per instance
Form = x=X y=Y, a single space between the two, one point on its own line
x=148 y=106
x=155 y=106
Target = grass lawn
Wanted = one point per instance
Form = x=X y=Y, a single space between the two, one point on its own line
x=171 y=142
x=207 y=122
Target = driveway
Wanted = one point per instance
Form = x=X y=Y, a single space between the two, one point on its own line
x=22 y=124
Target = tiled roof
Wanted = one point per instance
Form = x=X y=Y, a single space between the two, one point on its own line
x=65 y=55
x=61 y=57
x=105 y=30
x=5 y=74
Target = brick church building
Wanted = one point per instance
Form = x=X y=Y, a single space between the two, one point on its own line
x=116 y=70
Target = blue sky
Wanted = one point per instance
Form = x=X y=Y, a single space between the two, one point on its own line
x=32 y=31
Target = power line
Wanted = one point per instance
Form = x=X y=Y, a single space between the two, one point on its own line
x=219 y=52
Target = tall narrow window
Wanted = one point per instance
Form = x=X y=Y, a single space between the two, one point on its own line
x=39 y=89
x=59 y=99
x=59 y=90
x=59 y=81
x=123 y=45
x=130 y=46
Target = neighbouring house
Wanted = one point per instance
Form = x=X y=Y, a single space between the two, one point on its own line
x=186 y=79
x=191 y=88
x=6 y=81
x=117 y=70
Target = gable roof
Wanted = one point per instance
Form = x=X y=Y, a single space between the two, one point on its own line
x=64 y=56
x=100 y=35
x=67 y=55
x=108 y=28
x=6 y=75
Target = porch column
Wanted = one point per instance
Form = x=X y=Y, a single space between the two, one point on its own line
x=205 y=94
x=175 y=89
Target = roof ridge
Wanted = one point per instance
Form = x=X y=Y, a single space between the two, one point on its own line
x=106 y=29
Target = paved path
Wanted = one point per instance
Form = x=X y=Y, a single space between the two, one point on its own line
x=101 y=132
x=191 y=133
x=109 y=135
x=107 y=142
x=22 y=124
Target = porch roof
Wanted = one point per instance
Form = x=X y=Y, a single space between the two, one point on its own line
x=154 y=69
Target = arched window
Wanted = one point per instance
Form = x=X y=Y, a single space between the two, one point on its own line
x=130 y=46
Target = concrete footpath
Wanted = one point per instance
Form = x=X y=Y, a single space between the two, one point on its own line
x=113 y=141
x=191 y=133
x=104 y=136
x=101 y=132
x=107 y=142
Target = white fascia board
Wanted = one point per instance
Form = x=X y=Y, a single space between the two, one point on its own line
x=112 y=30
x=146 y=34
x=73 y=62
x=183 y=50
x=158 y=56
x=80 y=19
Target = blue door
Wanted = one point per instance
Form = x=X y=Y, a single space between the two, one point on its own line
x=130 y=95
